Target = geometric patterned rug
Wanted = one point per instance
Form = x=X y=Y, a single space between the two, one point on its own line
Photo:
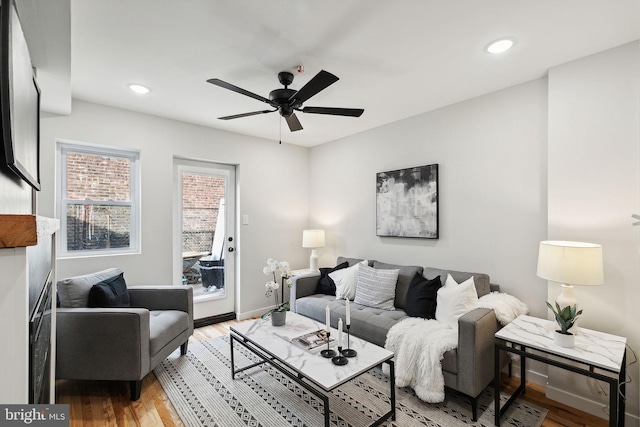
x=201 y=389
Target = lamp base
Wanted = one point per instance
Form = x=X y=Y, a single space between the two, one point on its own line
x=313 y=261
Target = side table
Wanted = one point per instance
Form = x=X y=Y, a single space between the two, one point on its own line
x=593 y=351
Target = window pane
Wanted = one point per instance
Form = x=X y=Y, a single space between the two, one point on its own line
x=96 y=177
x=97 y=227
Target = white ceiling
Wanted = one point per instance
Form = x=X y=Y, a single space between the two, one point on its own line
x=395 y=59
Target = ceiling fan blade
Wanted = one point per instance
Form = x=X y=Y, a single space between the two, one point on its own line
x=253 y=113
x=239 y=90
x=293 y=122
x=319 y=82
x=351 y=112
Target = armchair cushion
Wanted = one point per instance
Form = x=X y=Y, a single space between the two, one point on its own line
x=74 y=291
x=110 y=293
x=164 y=325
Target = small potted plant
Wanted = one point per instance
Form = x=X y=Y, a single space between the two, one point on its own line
x=565 y=318
x=279 y=313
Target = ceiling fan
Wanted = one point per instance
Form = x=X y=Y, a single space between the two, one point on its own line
x=287 y=101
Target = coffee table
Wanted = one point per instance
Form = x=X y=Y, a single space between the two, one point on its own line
x=312 y=371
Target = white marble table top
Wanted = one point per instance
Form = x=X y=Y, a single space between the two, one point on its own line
x=314 y=367
x=591 y=347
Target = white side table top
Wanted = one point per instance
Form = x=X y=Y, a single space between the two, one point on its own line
x=592 y=347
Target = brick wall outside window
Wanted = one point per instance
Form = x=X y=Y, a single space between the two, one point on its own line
x=201 y=196
x=97 y=178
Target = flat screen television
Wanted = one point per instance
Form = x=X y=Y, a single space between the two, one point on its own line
x=19 y=99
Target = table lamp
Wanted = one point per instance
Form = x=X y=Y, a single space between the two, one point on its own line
x=570 y=263
x=313 y=239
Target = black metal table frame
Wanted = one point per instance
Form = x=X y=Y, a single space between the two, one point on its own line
x=616 y=385
x=299 y=377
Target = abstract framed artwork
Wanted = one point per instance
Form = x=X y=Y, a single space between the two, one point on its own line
x=407 y=202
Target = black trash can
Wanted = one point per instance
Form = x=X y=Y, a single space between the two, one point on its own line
x=212 y=272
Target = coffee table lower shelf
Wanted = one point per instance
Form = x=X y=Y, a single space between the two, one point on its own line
x=303 y=381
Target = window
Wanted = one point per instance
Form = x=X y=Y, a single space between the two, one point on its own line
x=99 y=200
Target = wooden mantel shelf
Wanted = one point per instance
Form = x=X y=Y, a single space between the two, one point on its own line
x=25 y=230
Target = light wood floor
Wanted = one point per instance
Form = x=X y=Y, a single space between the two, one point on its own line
x=106 y=403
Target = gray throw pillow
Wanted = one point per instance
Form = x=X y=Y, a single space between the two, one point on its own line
x=405 y=276
x=74 y=291
x=376 y=287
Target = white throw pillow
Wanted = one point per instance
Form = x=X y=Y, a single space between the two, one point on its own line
x=346 y=280
x=455 y=300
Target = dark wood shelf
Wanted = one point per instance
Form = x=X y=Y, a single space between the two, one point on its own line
x=25 y=230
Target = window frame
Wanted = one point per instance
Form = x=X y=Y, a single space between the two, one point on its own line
x=63 y=147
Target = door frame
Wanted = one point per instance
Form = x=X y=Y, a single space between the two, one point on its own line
x=181 y=164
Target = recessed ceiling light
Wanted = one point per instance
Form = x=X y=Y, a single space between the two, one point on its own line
x=500 y=46
x=139 y=88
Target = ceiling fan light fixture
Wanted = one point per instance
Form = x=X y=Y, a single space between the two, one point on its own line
x=138 y=88
x=500 y=45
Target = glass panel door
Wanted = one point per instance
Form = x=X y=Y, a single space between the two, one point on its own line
x=205 y=240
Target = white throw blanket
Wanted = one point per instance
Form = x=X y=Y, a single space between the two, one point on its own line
x=420 y=344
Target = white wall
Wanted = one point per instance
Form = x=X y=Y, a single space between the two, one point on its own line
x=491 y=153
x=594 y=188
x=272 y=182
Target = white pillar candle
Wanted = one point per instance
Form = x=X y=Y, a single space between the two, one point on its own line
x=348 y=313
x=328 y=319
x=340 y=332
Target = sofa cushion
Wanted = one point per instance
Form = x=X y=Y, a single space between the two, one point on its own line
x=346 y=280
x=376 y=287
x=74 y=291
x=421 y=297
x=353 y=261
x=326 y=285
x=368 y=323
x=455 y=300
x=481 y=280
x=111 y=292
x=405 y=276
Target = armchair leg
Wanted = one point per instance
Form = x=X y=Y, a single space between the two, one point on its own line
x=183 y=348
x=474 y=408
x=135 y=388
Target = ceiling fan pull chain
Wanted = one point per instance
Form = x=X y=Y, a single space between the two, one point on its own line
x=280 y=138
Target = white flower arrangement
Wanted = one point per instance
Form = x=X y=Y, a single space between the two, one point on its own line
x=284 y=270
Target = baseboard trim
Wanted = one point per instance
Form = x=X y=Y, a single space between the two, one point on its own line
x=199 y=323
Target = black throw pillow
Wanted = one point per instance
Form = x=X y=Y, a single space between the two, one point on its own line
x=421 y=297
x=325 y=284
x=111 y=292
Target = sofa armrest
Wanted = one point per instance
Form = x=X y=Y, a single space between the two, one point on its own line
x=100 y=343
x=476 y=338
x=302 y=286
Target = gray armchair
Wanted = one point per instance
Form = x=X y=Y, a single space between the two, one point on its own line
x=120 y=343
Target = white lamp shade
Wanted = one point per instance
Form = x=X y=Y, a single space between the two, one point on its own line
x=571 y=263
x=313 y=239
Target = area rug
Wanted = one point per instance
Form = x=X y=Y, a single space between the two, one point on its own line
x=201 y=389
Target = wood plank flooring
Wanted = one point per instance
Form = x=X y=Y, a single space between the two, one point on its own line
x=107 y=403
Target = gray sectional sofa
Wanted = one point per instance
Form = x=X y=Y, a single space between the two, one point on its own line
x=467 y=369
